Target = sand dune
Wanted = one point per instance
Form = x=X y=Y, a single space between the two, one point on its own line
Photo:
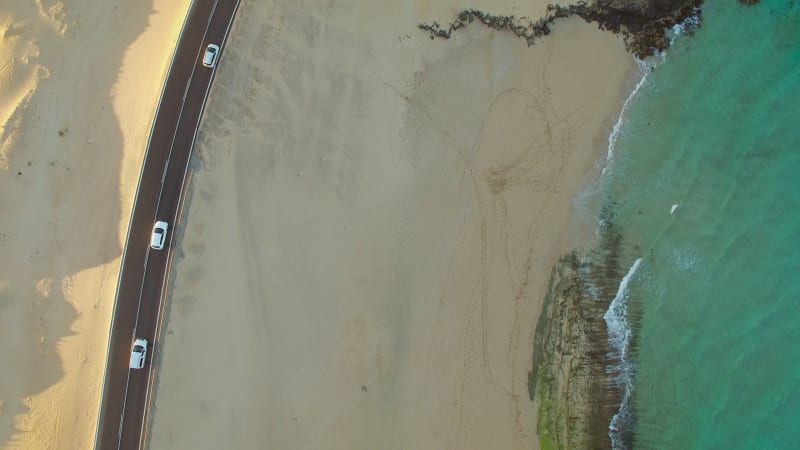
x=79 y=84
x=371 y=223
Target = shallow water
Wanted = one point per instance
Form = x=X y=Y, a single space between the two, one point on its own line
x=714 y=303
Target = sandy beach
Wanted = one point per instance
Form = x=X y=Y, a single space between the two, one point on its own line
x=79 y=85
x=371 y=224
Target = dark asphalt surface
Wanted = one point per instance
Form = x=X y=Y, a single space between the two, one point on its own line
x=127 y=393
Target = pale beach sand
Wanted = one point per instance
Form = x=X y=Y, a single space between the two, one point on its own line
x=79 y=84
x=371 y=224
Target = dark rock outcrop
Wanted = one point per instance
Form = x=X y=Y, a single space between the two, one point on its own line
x=643 y=23
x=575 y=368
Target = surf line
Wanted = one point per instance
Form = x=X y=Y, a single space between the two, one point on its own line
x=619 y=335
x=646 y=67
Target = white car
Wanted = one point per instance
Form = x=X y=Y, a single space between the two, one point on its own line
x=211 y=55
x=159 y=236
x=138 y=353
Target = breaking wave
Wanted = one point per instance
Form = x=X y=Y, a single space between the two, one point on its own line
x=619 y=335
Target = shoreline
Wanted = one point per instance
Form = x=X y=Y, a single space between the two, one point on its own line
x=588 y=285
x=579 y=402
x=431 y=234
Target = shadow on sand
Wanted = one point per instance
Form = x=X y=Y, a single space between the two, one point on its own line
x=60 y=210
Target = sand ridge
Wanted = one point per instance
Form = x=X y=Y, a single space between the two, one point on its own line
x=79 y=84
x=370 y=227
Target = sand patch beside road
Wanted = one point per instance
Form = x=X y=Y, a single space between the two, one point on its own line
x=370 y=228
x=79 y=85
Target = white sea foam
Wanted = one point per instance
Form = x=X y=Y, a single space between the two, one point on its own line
x=645 y=67
x=690 y=23
x=620 y=334
x=618 y=331
x=685 y=259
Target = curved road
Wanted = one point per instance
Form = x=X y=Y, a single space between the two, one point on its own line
x=140 y=299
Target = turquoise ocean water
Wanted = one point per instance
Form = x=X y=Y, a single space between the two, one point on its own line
x=707 y=320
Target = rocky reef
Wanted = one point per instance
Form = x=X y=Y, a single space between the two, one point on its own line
x=576 y=397
x=642 y=23
x=574 y=376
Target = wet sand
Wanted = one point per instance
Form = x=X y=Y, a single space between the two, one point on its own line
x=79 y=85
x=371 y=225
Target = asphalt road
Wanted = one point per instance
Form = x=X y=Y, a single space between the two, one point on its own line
x=140 y=299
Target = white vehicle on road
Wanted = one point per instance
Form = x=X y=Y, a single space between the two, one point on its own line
x=211 y=55
x=138 y=353
x=159 y=235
